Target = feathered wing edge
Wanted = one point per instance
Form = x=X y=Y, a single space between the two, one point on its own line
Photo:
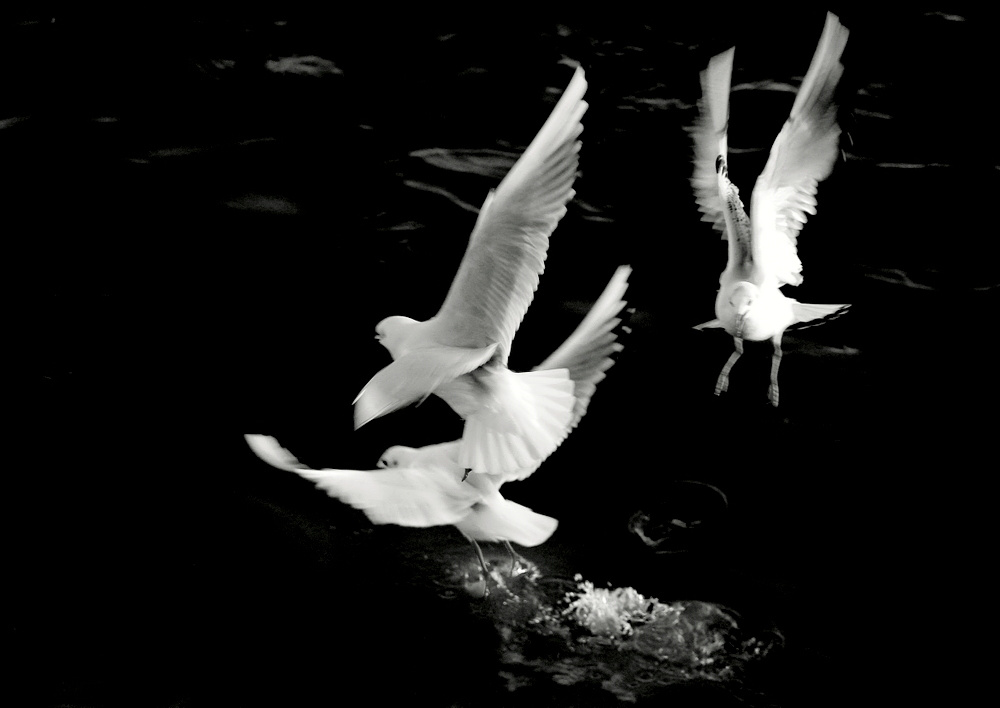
x=406 y=496
x=709 y=138
x=824 y=71
x=586 y=355
x=526 y=425
x=587 y=352
x=802 y=155
x=711 y=324
x=270 y=451
x=499 y=273
x=479 y=511
x=810 y=314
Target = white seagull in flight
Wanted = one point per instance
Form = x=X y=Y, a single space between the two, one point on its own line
x=430 y=486
x=762 y=248
x=460 y=354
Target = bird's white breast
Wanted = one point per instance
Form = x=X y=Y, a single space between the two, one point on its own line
x=770 y=314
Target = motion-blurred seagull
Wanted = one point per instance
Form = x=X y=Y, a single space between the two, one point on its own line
x=460 y=354
x=422 y=487
x=762 y=249
x=430 y=486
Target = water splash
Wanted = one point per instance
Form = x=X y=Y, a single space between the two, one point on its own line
x=570 y=638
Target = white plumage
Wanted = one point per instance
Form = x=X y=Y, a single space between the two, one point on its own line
x=430 y=486
x=461 y=353
x=762 y=248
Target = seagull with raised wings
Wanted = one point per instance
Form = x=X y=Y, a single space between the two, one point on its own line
x=430 y=486
x=460 y=354
x=762 y=248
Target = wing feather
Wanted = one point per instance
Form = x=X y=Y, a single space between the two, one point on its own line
x=405 y=496
x=418 y=496
x=587 y=352
x=499 y=273
x=802 y=155
x=709 y=136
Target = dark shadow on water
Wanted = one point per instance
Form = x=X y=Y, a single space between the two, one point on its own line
x=205 y=219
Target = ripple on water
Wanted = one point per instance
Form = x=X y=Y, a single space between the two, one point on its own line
x=546 y=643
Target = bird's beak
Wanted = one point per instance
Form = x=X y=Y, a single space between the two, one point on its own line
x=380 y=464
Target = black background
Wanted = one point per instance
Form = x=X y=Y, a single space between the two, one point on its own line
x=199 y=246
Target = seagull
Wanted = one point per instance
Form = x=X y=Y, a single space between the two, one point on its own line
x=460 y=354
x=430 y=486
x=762 y=248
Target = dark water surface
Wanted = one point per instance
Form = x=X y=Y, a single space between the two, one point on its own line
x=206 y=217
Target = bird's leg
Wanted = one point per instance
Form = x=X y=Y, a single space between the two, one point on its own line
x=723 y=383
x=482 y=562
x=513 y=556
x=772 y=391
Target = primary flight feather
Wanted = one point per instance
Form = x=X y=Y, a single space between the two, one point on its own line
x=762 y=247
x=516 y=418
x=431 y=486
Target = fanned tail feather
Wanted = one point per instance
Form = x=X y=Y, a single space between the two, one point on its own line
x=531 y=418
x=587 y=352
x=506 y=520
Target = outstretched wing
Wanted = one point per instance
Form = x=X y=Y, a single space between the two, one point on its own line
x=586 y=355
x=809 y=315
x=802 y=155
x=406 y=496
x=499 y=273
x=709 y=137
x=587 y=352
x=418 y=496
x=267 y=448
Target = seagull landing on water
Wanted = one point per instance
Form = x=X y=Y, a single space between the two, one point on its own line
x=762 y=248
x=430 y=486
x=460 y=354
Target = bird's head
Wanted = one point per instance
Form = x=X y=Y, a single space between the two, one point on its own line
x=742 y=299
x=390 y=332
x=396 y=456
